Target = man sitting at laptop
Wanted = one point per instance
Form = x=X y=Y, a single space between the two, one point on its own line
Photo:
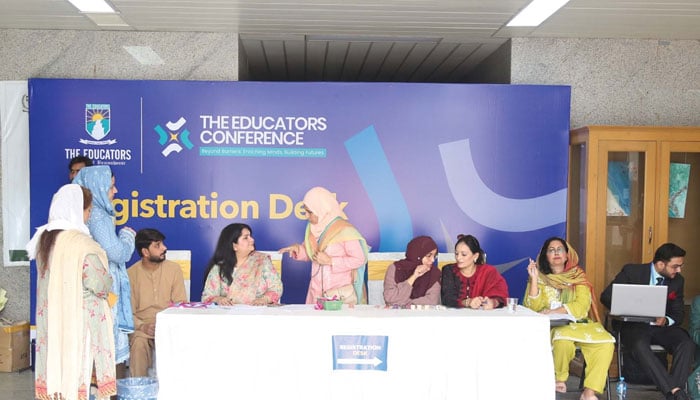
x=665 y=330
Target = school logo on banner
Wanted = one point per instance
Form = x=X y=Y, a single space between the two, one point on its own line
x=98 y=124
x=98 y=121
x=174 y=138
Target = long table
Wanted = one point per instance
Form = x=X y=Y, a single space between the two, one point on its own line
x=296 y=352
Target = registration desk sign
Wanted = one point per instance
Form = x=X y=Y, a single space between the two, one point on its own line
x=360 y=352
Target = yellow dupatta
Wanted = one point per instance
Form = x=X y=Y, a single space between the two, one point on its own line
x=567 y=280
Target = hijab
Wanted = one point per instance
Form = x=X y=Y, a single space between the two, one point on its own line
x=322 y=203
x=65 y=213
x=98 y=179
x=416 y=249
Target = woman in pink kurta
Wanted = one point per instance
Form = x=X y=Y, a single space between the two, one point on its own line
x=337 y=251
x=414 y=280
x=73 y=319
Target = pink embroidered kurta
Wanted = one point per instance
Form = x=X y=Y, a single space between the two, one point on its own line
x=346 y=257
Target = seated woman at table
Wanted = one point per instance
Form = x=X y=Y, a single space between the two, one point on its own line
x=470 y=283
x=237 y=274
x=336 y=249
x=414 y=280
x=557 y=285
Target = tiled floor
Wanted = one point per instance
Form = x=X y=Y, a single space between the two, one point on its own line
x=634 y=392
x=17 y=385
x=20 y=386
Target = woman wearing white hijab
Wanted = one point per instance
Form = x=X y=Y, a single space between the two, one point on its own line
x=73 y=318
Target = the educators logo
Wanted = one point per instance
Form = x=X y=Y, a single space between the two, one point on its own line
x=173 y=137
x=98 y=123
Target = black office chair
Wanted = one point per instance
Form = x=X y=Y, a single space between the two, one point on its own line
x=616 y=331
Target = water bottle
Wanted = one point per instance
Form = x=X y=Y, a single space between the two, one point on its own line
x=621 y=389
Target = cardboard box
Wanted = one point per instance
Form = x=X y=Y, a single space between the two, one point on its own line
x=12 y=359
x=14 y=347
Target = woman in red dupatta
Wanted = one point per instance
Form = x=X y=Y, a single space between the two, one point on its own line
x=337 y=251
x=557 y=285
x=470 y=283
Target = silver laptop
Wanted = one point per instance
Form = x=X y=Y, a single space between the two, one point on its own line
x=638 y=300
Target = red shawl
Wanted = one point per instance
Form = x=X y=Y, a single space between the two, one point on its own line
x=489 y=283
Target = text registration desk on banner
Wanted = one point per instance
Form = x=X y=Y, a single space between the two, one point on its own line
x=366 y=352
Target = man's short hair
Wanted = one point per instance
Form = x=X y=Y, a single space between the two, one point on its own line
x=145 y=237
x=79 y=159
x=667 y=251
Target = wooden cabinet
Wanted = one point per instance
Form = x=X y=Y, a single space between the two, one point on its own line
x=632 y=189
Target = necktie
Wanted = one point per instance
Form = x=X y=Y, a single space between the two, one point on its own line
x=659 y=280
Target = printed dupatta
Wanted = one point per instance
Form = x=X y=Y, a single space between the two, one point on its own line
x=567 y=280
x=340 y=230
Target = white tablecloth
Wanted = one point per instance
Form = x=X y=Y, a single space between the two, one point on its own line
x=287 y=353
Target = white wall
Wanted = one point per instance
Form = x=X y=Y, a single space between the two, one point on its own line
x=616 y=82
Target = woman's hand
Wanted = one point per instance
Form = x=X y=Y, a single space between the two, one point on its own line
x=532 y=271
x=488 y=304
x=224 y=301
x=558 y=310
x=421 y=270
x=293 y=250
x=417 y=273
x=322 y=258
x=261 y=301
x=534 y=275
x=478 y=302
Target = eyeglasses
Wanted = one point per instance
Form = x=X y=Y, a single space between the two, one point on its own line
x=558 y=250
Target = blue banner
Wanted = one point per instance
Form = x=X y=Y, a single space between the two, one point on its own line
x=404 y=160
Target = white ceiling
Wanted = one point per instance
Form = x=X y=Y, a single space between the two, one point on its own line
x=367 y=40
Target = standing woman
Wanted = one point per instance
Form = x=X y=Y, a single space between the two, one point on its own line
x=337 y=251
x=237 y=274
x=119 y=248
x=73 y=319
x=470 y=283
x=557 y=285
x=414 y=280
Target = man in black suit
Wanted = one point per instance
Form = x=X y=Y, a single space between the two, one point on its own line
x=666 y=330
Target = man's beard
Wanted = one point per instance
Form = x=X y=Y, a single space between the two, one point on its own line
x=157 y=259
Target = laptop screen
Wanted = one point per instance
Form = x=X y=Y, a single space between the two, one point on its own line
x=638 y=300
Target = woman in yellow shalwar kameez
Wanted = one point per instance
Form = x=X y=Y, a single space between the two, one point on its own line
x=558 y=285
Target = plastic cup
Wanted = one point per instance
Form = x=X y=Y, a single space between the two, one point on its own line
x=511 y=304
